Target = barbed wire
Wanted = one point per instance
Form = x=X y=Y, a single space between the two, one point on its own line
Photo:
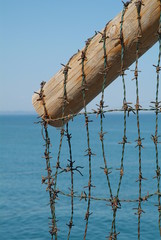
x=155 y=137
x=84 y=196
x=126 y=108
x=51 y=179
x=70 y=160
x=138 y=5
x=88 y=151
x=101 y=107
x=71 y=116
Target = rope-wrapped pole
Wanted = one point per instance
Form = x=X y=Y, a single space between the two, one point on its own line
x=94 y=64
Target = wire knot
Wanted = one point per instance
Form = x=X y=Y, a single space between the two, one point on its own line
x=115 y=203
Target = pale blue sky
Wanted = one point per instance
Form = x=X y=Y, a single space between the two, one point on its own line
x=37 y=35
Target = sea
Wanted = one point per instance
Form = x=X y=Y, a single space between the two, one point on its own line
x=24 y=202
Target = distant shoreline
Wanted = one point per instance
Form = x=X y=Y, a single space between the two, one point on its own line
x=19 y=113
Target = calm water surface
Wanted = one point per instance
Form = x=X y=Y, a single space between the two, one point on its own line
x=24 y=209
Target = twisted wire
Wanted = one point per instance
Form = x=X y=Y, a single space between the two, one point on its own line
x=137 y=107
x=155 y=137
x=94 y=112
x=124 y=100
x=49 y=180
x=62 y=133
x=70 y=225
x=116 y=200
x=89 y=153
x=85 y=197
x=70 y=165
x=52 y=195
x=102 y=106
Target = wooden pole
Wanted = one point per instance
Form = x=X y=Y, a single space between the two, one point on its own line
x=54 y=88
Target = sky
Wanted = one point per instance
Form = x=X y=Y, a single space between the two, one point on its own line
x=37 y=35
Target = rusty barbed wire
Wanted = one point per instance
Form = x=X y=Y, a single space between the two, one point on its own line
x=101 y=107
x=70 y=166
x=100 y=111
x=49 y=180
x=83 y=58
x=89 y=151
x=155 y=137
x=64 y=103
x=126 y=108
x=62 y=133
x=95 y=112
x=84 y=196
x=139 y=5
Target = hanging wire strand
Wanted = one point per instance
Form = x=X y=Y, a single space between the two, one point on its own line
x=52 y=193
x=62 y=133
x=126 y=107
x=63 y=118
x=70 y=225
x=125 y=104
x=89 y=152
x=156 y=136
x=138 y=5
x=100 y=110
x=49 y=180
x=70 y=164
x=64 y=102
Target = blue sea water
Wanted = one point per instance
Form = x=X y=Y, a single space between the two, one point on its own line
x=24 y=202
